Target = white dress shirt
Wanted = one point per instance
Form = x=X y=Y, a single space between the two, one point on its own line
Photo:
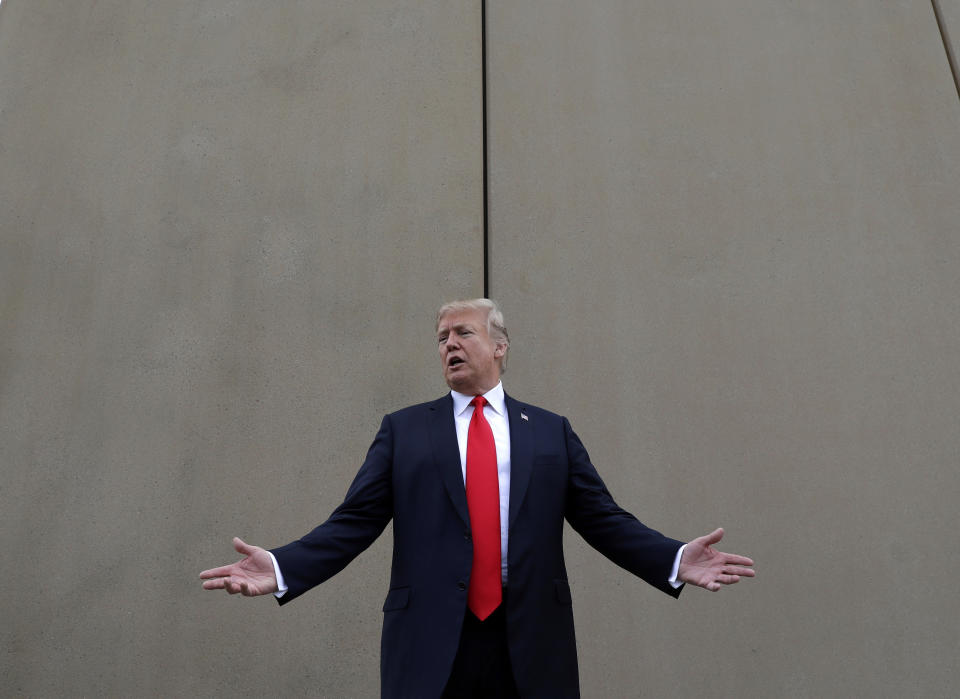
x=495 y=411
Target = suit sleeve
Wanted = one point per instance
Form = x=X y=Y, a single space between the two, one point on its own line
x=614 y=532
x=353 y=526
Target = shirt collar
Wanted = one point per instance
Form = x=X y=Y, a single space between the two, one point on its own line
x=494 y=398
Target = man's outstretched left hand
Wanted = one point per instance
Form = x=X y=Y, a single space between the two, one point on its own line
x=704 y=566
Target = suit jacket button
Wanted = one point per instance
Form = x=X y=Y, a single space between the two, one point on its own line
x=466 y=536
x=461 y=586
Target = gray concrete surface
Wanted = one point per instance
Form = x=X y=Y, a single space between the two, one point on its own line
x=950 y=16
x=223 y=229
x=951 y=13
x=726 y=235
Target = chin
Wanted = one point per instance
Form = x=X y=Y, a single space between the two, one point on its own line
x=459 y=384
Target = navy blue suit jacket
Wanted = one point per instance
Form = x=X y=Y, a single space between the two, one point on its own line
x=412 y=475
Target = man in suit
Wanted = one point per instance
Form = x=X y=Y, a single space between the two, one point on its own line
x=478 y=486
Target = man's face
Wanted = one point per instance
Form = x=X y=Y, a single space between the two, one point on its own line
x=470 y=357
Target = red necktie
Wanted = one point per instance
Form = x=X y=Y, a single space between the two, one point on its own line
x=483 y=499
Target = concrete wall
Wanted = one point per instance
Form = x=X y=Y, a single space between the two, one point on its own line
x=948 y=12
x=223 y=227
x=725 y=236
x=950 y=9
x=728 y=236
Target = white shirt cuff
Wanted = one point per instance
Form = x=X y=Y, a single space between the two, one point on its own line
x=281 y=583
x=674 y=583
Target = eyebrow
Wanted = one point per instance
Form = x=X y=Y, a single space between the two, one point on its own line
x=458 y=327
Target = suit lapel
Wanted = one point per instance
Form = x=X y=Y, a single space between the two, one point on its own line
x=521 y=454
x=446 y=453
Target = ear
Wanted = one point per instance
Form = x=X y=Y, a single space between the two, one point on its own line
x=499 y=350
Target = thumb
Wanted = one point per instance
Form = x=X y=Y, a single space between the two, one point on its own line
x=241 y=546
x=708 y=540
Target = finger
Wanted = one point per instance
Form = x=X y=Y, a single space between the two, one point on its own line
x=241 y=546
x=216 y=584
x=718 y=582
x=221 y=572
x=737 y=559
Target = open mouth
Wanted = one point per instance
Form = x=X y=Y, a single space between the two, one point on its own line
x=454 y=361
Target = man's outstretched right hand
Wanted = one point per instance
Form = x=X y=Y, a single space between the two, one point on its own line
x=252 y=575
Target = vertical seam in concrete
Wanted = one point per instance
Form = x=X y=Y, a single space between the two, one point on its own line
x=486 y=195
x=947 y=45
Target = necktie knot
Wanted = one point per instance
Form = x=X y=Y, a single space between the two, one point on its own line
x=478 y=402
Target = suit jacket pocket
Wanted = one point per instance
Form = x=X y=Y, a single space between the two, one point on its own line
x=563 y=591
x=397 y=598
